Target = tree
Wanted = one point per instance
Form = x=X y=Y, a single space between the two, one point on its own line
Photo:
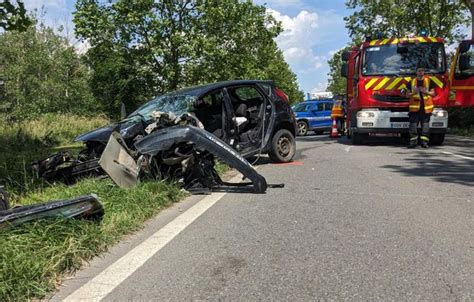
x=13 y=18
x=441 y=18
x=470 y=5
x=42 y=73
x=336 y=83
x=142 y=48
x=396 y=18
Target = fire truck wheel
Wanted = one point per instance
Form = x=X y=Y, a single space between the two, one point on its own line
x=302 y=128
x=436 y=139
x=357 y=138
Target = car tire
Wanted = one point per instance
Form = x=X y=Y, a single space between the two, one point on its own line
x=436 y=139
x=302 y=128
x=283 y=146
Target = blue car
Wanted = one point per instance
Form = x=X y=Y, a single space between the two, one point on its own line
x=313 y=115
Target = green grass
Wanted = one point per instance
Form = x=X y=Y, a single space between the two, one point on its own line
x=34 y=256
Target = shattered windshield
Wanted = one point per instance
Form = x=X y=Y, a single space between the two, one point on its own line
x=178 y=104
x=395 y=59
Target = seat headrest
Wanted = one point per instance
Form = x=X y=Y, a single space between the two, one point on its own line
x=241 y=110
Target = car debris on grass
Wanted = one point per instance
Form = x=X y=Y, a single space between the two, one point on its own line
x=86 y=207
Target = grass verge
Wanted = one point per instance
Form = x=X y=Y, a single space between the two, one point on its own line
x=468 y=132
x=34 y=256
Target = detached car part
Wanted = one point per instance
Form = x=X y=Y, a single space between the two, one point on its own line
x=63 y=166
x=85 y=207
x=179 y=152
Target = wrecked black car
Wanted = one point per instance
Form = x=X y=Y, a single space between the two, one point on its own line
x=252 y=117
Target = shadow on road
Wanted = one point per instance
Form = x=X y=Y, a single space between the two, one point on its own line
x=376 y=141
x=449 y=170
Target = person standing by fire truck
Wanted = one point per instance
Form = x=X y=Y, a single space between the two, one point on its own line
x=420 y=107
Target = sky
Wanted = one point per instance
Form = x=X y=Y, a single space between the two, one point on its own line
x=313 y=31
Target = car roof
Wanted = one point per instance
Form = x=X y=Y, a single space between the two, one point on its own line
x=317 y=101
x=203 y=89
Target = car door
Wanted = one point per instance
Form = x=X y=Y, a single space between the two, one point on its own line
x=326 y=115
x=212 y=112
x=318 y=118
x=462 y=75
x=250 y=111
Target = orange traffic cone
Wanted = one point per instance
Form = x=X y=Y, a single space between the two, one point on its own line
x=334 y=132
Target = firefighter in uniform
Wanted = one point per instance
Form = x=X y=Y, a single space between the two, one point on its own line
x=337 y=113
x=420 y=108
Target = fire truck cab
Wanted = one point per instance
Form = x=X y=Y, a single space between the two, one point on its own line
x=379 y=73
x=462 y=75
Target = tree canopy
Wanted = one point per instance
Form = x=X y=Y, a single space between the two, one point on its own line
x=40 y=73
x=336 y=83
x=13 y=17
x=397 y=18
x=143 y=48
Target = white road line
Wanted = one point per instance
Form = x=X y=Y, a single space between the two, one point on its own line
x=456 y=155
x=348 y=148
x=105 y=282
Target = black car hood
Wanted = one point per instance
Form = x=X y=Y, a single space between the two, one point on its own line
x=126 y=128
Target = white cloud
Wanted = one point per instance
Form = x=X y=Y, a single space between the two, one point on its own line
x=297 y=39
x=310 y=37
x=320 y=87
x=47 y=4
x=82 y=46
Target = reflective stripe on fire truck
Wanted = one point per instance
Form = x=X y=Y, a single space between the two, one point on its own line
x=387 y=83
x=382 y=84
x=414 y=39
x=437 y=81
x=394 y=83
x=370 y=83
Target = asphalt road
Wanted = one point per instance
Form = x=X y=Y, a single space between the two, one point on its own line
x=372 y=222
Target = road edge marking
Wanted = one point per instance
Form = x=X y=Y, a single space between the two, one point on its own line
x=106 y=281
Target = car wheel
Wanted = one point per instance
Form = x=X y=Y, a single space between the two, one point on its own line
x=283 y=146
x=302 y=128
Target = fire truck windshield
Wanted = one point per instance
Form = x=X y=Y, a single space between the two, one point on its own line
x=393 y=59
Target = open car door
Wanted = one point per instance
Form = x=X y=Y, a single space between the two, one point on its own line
x=462 y=75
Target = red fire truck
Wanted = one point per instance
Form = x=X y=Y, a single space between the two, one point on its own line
x=378 y=73
x=462 y=75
